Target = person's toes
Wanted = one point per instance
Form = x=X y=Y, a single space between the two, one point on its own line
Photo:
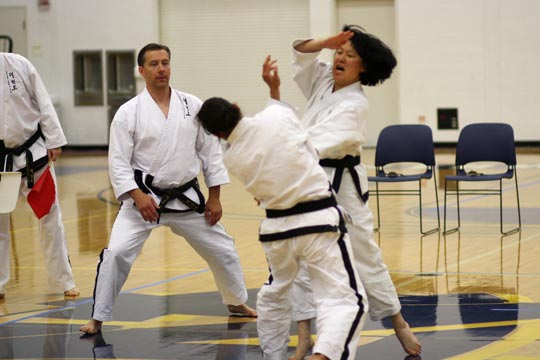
x=242 y=310
x=408 y=341
x=72 y=292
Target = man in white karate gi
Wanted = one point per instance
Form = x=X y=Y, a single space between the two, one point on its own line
x=156 y=150
x=30 y=138
x=273 y=158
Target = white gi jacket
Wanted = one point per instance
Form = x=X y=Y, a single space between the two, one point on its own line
x=335 y=121
x=170 y=149
x=25 y=103
x=273 y=158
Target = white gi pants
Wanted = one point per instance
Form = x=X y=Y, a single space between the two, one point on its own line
x=340 y=298
x=128 y=235
x=381 y=292
x=53 y=242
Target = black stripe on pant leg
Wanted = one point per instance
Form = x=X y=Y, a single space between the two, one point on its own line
x=95 y=281
x=352 y=281
x=270 y=276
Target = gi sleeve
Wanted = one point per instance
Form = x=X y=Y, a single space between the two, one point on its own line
x=50 y=124
x=210 y=153
x=120 y=154
x=307 y=69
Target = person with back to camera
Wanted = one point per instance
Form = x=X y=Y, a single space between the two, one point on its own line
x=31 y=138
x=157 y=148
x=271 y=155
x=335 y=119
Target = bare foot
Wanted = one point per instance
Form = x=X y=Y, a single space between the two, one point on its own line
x=72 y=292
x=305 y=342
x=318 y=356
x=242 y=310
x=406 y=337
x=93 y=327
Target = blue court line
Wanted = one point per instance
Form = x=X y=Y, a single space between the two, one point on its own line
x=41 y=314
x=102 y=198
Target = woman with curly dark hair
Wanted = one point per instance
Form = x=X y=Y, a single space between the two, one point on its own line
x=335 y=119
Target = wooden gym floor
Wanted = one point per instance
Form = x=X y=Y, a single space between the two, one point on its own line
x=469 y=295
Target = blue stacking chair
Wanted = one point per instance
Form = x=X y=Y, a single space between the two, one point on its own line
x=483 y=142
x=405 y=143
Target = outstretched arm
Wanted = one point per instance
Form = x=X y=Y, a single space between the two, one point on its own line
x=332 y=42
x=271 y=77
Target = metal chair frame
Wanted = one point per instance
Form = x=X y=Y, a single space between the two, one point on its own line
x=483 y=142
x=399 y=144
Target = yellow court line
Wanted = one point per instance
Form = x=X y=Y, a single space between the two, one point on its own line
x=525 y=334
x=171 y=320
x=175 y=320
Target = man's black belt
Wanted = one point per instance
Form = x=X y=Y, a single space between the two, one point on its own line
x=32 y=166
x=304 y=207
x=348 y=162
x=169 y=194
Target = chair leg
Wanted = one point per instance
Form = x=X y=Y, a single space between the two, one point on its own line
x=514 y=230
x=375 y=229
x=427 y=232
x=450 y=231
x=437 y=200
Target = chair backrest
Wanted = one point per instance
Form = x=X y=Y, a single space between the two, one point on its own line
x=405 y=143
x=486 y=142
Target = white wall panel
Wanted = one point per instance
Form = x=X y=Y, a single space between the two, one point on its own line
x=479 y=56
x=67 y=25
x=218 y=46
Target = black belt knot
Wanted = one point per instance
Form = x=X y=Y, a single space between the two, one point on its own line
x=7 y=154
x=169 y=194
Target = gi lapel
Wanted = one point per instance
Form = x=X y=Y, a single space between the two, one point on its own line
x=166 y=134
x=179 y=102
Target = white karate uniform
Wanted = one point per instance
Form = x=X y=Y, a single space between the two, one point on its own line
x=336 y=124
x=25 y=103
x=172 y=150
x=272 y=157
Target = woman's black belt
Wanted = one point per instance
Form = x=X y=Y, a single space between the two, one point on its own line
x=348 y=162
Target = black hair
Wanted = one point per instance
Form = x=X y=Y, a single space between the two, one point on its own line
x=377 y=58
x=141 y=57
x=219 y=116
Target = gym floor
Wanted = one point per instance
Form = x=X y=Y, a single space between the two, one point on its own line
x=473 y=294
